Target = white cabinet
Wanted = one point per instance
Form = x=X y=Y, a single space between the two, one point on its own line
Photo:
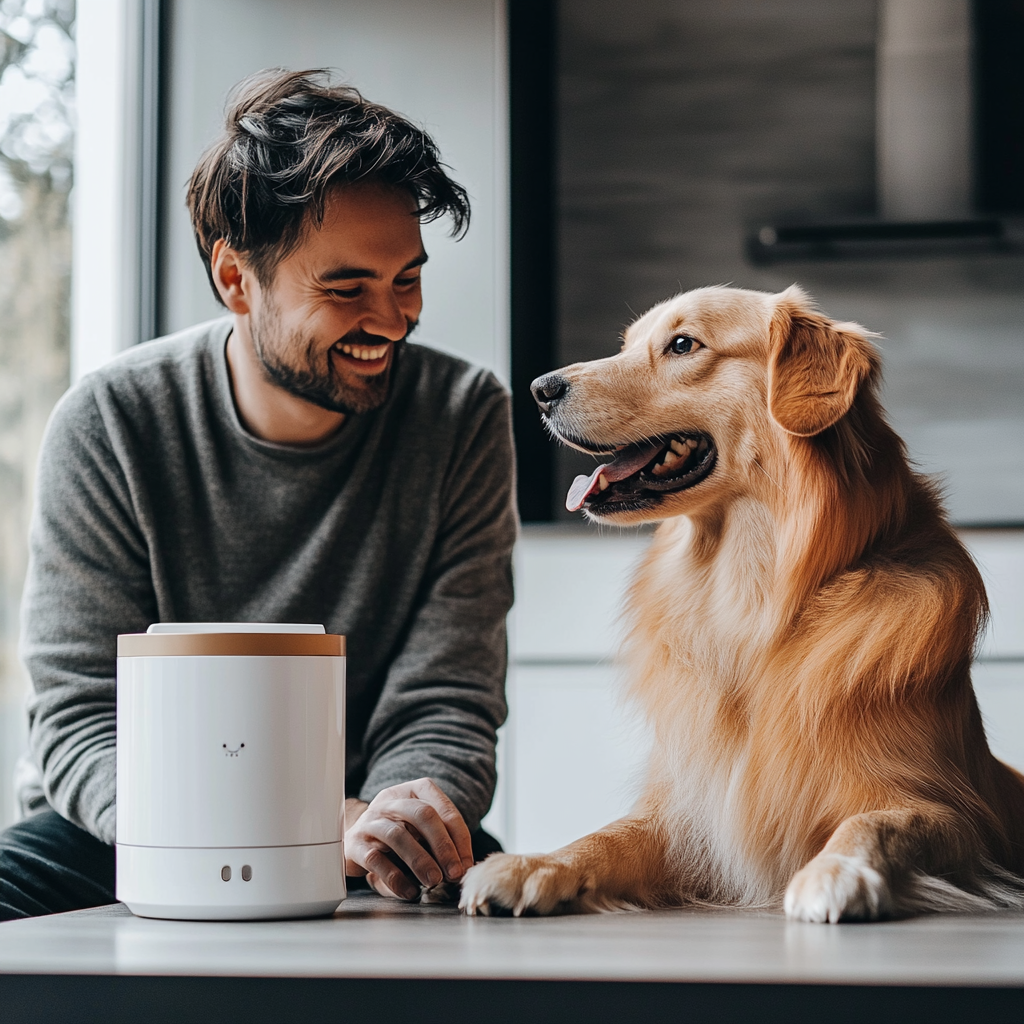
x=1000 y=556
x=569 y=756
x=999 y=672
x=578 y=754
x=1000 y=690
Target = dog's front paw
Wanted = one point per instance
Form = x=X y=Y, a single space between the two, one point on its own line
x=517 y=884
x=836 y=888
x=446 y=892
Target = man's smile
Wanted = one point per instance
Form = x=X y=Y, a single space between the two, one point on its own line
x=365 y=360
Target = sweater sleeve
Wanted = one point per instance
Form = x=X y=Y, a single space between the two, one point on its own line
x=88 y=580
x=444 y=696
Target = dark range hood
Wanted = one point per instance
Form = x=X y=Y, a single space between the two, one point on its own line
x=874 y=238
x=949 y=140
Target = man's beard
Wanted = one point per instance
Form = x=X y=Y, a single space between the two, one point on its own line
x=313 y=376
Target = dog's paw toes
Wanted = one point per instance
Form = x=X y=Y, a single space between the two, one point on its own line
x=515 y=884
x=833 y=888
x=446 y=892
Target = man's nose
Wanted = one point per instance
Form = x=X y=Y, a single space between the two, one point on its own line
x=548 y=390
x=386 y=320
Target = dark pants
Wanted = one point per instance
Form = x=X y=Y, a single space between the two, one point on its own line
x=48 y=866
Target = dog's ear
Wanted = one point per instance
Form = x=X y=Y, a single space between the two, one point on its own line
x=815 y=366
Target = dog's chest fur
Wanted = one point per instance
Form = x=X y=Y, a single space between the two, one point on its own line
x=701 y=626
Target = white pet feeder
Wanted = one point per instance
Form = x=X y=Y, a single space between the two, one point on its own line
x=230 y=771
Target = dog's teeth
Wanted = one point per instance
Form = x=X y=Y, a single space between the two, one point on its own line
x=602 y=482
x=691 y=443
x=677 y=446
x=670 y=459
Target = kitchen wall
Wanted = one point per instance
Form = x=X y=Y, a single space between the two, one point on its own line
x=684 y=125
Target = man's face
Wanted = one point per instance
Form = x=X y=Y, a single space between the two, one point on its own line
x=327 y=326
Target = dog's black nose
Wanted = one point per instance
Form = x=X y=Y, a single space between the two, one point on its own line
x=548 y=389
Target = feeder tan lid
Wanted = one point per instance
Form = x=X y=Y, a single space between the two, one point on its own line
x=230 y=639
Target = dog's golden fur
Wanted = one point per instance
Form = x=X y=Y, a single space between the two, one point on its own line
x=801 y=631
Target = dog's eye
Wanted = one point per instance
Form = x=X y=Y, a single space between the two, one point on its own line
x=683 y=344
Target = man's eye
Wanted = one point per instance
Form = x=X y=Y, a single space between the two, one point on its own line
x=345 y=293
x=405 y=282
x=683 y=344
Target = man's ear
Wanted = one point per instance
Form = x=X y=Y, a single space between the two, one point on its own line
x=815 y=366
x=227 y=270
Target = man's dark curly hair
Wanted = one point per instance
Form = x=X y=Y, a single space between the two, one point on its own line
x=289 y=138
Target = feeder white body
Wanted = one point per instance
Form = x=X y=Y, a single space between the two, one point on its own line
x=230 y=771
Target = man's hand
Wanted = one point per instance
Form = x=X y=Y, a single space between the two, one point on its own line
x=409 y=835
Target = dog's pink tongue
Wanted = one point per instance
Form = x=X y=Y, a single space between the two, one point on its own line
x=629 y=462
x=581 y=489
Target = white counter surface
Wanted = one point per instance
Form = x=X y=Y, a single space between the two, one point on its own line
x=373 y=938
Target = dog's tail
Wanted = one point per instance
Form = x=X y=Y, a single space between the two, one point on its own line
x=994 y=889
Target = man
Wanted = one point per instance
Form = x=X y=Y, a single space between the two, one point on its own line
x=297 y=461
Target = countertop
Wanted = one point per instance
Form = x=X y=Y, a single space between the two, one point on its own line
x=943 y=965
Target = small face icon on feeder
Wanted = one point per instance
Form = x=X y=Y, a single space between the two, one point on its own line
x=232 y=751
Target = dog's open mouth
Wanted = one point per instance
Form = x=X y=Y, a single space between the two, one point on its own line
x=641 y=473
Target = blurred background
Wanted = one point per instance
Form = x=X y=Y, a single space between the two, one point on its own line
x=871 y=150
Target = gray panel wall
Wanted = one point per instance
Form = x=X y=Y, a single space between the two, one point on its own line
x=684 y=123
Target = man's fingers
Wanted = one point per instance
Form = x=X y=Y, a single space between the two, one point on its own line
x=378 y=886
x=380 y=866
x=429 y=792
x=434 y=833
x=412 y=825
x=353 y=869
x=392 y=832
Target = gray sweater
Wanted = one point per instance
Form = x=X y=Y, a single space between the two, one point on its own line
x=154 y=504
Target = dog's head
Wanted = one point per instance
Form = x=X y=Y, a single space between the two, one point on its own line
x=704 y=399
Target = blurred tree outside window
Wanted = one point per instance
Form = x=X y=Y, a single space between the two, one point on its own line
x=37 y=89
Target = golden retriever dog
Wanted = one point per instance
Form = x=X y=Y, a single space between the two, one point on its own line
x=800 y=635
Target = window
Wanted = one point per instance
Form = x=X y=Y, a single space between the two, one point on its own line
x=37 y=84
